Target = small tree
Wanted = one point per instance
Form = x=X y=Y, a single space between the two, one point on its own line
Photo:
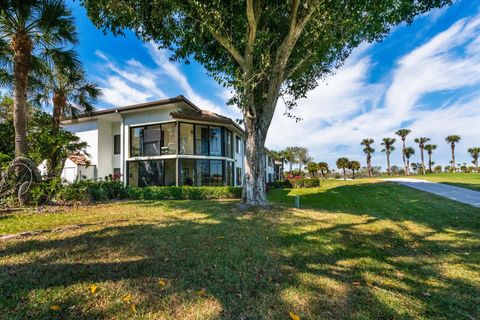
x=354 y=166
x=421 y=144
x=474 y=152
x=264 y=50
x=403 y=133
x=409 y=151
x=453 y=140
x=343 y=163
x=368 y=150
x=388 y=147
x=312 y=168
x=323 y=168
x=430 y=148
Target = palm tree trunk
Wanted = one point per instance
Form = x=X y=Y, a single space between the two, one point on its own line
x=423 y=161
x=344 y=174
x=369 y=166
x=453 y=158
x=22 y=48
x=405 y=166
x=353 y=174
x=388 y=163
x=430 y=162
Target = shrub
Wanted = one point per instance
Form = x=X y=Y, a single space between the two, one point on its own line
x=276 y=184
x=184 y=193
x=44 y=191
x=305 y=183
x=88 y=190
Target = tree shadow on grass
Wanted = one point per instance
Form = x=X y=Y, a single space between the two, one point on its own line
x=258 y=265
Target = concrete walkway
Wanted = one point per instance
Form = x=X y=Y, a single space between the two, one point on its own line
x=467 y=196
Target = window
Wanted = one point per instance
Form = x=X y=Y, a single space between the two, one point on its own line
x=186 y=138
x=169 y=135
x=202 y=139
x=187 y=172
x=238 y=144
x=116 y=171
x=216 y=173
x=215 y=141
x=228 y=144
x=153 y=140
x=203 y=172
x=239 y=176
x=151 y=173
x=229 y=173
x=116 y=144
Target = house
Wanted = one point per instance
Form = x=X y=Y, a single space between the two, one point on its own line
x=168 y=142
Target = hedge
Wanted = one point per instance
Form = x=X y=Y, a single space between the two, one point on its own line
x=305 y=183
x=184 y=193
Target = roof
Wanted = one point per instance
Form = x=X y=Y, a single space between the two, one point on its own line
x=79 y=159
x=204 y=115
x=140 y=106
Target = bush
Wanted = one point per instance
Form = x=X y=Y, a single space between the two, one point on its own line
x=305 y=183
x=44 y=191
x=276 y=184
x=88 y=190
x=184 y=193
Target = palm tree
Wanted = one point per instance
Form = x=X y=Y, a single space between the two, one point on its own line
x=421 y=144
x=68 y=89
x=430 y=148
x=354 y=166
x=31 y=30
x=289 y=154
x=368 y=151
x=403 y=133
x=343 y=163
x=474 y=152
x=323 y=168
x=452 y=140
x=409 y=151
x=388 y=148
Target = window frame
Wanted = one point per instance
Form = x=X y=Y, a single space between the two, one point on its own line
x=117 y=145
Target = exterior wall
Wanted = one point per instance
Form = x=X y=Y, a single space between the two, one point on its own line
x=239 y=159
x=269 y=169
x=71 y=172
x=116 y=158
x=105 y=149
x=87 y=131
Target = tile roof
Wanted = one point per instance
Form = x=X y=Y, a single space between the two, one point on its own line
x=79 y=159
x=204 y=115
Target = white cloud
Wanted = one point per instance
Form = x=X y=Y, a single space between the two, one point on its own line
x=339 y=114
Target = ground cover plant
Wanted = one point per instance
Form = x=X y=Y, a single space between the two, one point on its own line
x=354 y=250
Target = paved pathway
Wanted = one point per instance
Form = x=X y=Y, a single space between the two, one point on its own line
x=467 y=196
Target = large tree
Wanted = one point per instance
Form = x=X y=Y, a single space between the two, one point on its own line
x=403 y=133
x=368 y=150
x=30 y=31
x=323 y=168
x=452 y=140
x=263 y=49
x=421 y=145
x=388 y=147
x=430 y=148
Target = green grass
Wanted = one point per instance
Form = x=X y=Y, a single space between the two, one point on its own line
x=355 y=250
x=464 y=180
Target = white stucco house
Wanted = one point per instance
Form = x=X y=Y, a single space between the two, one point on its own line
x=169 y=142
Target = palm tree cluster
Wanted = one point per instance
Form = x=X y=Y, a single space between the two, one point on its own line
x=407 y=152
x=38 y=63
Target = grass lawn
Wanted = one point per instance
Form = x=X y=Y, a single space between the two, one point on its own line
x=464 y=180
x=355 y=250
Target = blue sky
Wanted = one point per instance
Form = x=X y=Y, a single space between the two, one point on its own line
x=425 y=76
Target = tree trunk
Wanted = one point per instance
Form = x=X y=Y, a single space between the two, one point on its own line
x=254 y=186
x=388 y=163
x=344 y=174
x=405 y=166
x=453 y=158
x=353 y=174
x=430 y=162
x=369 y=166
x=423 y=161
x=22 y=48
x=53 y=163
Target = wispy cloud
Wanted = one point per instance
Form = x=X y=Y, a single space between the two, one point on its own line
x=349 y=107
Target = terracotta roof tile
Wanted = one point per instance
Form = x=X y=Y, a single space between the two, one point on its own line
x=79 y=159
